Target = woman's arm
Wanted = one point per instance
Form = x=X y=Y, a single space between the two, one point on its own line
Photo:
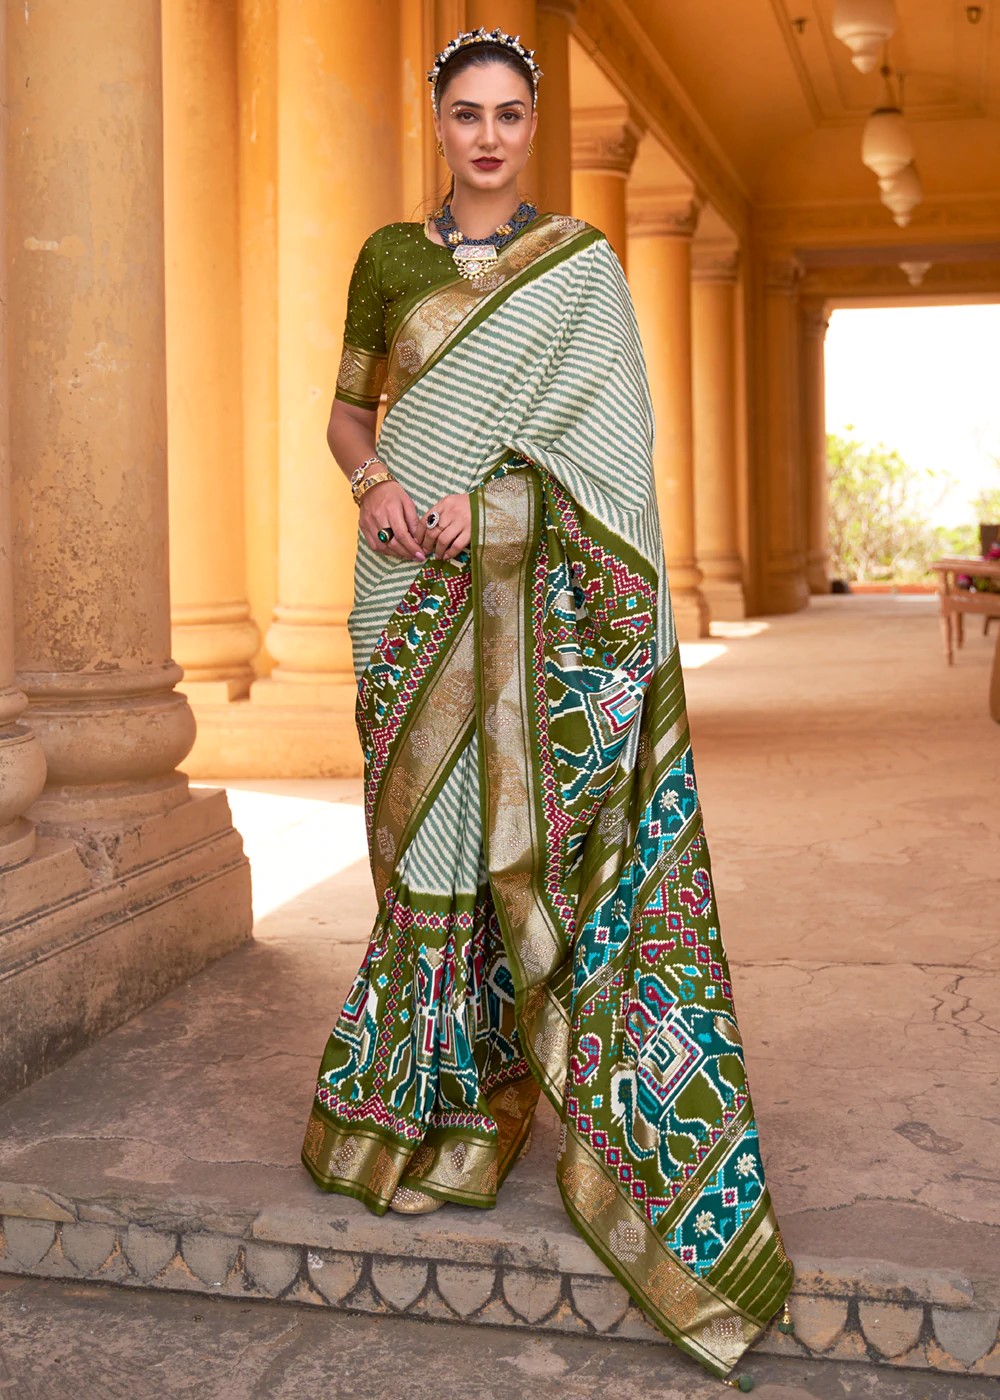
x=350 y=434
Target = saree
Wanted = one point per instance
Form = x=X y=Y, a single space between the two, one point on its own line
x=546 y=916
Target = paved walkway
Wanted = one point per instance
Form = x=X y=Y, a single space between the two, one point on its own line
x=850 y=782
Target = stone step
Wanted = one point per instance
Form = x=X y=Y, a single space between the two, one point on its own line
x=500 y=1271
x=165 y=1157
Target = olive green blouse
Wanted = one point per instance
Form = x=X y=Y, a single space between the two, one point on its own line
x=397 y=263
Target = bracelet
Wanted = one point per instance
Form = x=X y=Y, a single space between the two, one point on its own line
x=371 y=480
x=357 y=476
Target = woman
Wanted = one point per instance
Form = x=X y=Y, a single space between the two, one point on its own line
x=546 y=919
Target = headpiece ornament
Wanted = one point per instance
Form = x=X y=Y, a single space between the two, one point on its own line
x=484 y=36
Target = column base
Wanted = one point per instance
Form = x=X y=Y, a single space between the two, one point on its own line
x=691 y=614
x=817 y=576
x=784 y=593
x=282 y=731
x=725 y=600
x=95 y=928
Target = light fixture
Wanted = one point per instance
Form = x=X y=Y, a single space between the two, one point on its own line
x=915 y=271
x=886 y=144
x=864 y=26
x=973 y=13
x=902 y=193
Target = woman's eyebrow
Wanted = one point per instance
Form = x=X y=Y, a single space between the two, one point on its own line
x=510 y=102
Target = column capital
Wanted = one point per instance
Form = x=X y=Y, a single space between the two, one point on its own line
x=605 y=138
x=715 y=262
x=782 y=275
x=663 y=213
x=815 y=316
x=565 y=9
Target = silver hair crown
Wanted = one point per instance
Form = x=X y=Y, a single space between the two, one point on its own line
x=484 y=36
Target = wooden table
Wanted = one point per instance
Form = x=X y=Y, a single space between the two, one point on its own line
x=956 y=602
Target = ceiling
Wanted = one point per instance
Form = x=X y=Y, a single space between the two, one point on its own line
x=785 y=108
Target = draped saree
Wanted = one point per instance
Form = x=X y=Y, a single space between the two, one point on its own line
x=546 y=917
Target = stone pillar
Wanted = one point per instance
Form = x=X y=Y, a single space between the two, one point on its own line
x=424 y=31
x=338 y=71
x=213 y=637
x=605 y=141
x=137 y=883
x=660 y=278
x=89 y=412
x=257 y=37
x=513 y=17
x=553 y=144
x=782 y=477
x=815 y=320
x=713 y=337
x=22 y=760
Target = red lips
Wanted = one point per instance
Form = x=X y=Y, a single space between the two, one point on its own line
x=487 y=163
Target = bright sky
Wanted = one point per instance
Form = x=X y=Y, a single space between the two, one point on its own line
x=924 y=380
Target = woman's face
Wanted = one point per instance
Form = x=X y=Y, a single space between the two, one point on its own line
x=485 y=122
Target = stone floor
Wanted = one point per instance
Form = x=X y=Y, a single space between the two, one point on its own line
x=849 y=780
x=83 y=1341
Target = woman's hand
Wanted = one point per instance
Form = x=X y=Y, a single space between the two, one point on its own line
x=389 y=506
x=451 y=531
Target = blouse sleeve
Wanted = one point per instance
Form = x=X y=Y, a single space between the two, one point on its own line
x=363 y=363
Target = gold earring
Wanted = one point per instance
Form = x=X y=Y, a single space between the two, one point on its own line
x=531 y=148
x=440 y=148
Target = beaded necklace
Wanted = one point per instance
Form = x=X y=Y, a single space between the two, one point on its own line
x=473 y=256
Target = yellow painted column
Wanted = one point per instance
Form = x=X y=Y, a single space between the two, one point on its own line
x=553 y=166
x=425 y=28
x=257 y=66
x=513 y=17
x=213 y=636
x=781 y=531
x=604 y=144
x=713 y=337
x=88 y=416
x=338 y=72
x=659 y=250
x=22 y=761
x=815 y=321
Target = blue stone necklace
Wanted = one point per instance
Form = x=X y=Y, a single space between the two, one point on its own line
x=473 y=256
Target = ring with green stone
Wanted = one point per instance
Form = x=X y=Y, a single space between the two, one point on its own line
x=386 y=535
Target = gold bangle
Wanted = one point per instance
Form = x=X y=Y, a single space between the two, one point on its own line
x=368 y=482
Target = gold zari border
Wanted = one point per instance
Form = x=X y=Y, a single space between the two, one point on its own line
x=433 y=736
x=362 y=374
x=431 y=325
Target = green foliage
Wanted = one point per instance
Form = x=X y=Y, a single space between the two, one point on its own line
x=986 y=506
x=956 y=540
x=877 y=529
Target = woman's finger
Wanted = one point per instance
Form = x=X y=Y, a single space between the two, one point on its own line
x=402 y=538
x=459 y=543
x=447 y=537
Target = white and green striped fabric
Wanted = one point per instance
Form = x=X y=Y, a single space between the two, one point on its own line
x=554 y=372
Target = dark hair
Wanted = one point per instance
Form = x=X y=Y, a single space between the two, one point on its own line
x=478 y=56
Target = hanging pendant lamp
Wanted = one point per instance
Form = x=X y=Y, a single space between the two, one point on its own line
x=886 y=145
x=902 y=193
x=864 y=26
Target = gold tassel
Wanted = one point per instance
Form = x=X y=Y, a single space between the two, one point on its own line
x=786 y=1325
x=744 y=1382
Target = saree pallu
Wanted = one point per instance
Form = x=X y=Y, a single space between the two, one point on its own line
x=546 y=917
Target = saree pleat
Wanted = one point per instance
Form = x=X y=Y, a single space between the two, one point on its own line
x=547 y=920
